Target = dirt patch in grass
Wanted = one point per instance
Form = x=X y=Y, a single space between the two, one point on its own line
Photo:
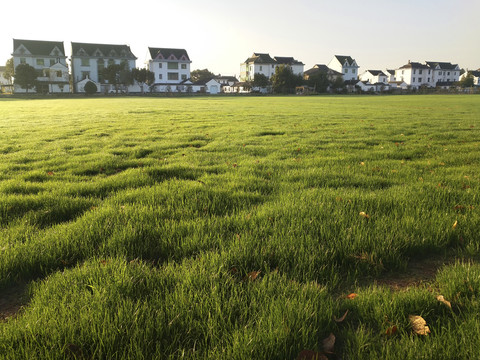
x=11 y=300
x=418 y=272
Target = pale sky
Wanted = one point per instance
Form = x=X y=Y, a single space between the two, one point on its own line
x=221 y=34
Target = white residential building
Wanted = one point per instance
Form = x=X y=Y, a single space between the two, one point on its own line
x=415 y=75
x=444 y=73
x=374 y=77
x=260 y=63
x=345 y=65
x=171 y=68
x=49 y=60
x=89 y=60
x=5 y=85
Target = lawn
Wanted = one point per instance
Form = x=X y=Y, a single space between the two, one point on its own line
x=240 y=228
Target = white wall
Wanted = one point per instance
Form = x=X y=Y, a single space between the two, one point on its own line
x=160 y=70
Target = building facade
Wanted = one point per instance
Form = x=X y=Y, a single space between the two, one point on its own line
x=261 y=63
x=48 y=59
x=374 y=77
x=171 y=68
x=345 y=65
x=89 y=60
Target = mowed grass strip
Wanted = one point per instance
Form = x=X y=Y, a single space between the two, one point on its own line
x=235 y=227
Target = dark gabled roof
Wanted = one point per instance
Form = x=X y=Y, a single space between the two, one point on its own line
x=259 y=58
x=475 y=73
x=321 y=68
x=106 y=50
x=376 y=72
x=165 y=53
x=414 y=65
x=392 y=72
x=342 y=59
x=39 y=47
x=442 y=65
x=287 y=60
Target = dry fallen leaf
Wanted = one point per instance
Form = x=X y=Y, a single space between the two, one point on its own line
x=329 y=343
x=391 y=330
x=455 y=224
x=311 y=355
x=442 y=300
x=252 y=275
x=340 y=319
x=419 y=325
x=352 y=296
x=364 y=214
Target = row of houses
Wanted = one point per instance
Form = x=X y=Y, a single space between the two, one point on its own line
x=171 y=70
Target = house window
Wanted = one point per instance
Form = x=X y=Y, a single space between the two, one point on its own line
x=261 y=68
x=85 y=62
x=160 y=76
x=428 y=79
x=429 y=72
x=184 y=77
x=23 y=61
x=346 y=71
x=85 y=74
x=448 y=73
x=273 y=66
x=172 y=76
x=172 y=66
x=420 y=72
x=414 y=71
x=40 y=62
x=59 y=73
x=159 y=65
x=439 y=73
x=184 y=66
x=413 y=80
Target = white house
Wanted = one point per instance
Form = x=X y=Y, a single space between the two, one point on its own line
x=475 y=74
x=49 y=60
x=88 y=61
x=260 y=63
x=415 y=75
x=209 y=86
x=390 y=75
x=444 y=72
x=226 y=80
x=171 y=68
x=374 y=77
x=345 y=65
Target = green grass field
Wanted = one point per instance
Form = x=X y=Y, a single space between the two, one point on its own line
x=236 y=228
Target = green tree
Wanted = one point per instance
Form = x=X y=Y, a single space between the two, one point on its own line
x=143 y=76
x=25 y=76
x=284 y=80
x=90 y=88
x=118 y=74
x=9 y=70
x=260 y=80
x=338 y=84
x=200 y=75
x=319 y=82
x=467 y=81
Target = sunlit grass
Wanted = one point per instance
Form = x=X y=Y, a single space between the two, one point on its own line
x=137 y=222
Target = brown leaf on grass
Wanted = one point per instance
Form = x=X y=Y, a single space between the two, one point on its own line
x=50 y=173
x=364 y=214
x=352 y=296
x=419 y=325
x=442 y=300
x=252 y=276
x=311 y=355
x=340 y=319
x=329 y=343
x=392 y=330
x=454 y=226
x=362 y=163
